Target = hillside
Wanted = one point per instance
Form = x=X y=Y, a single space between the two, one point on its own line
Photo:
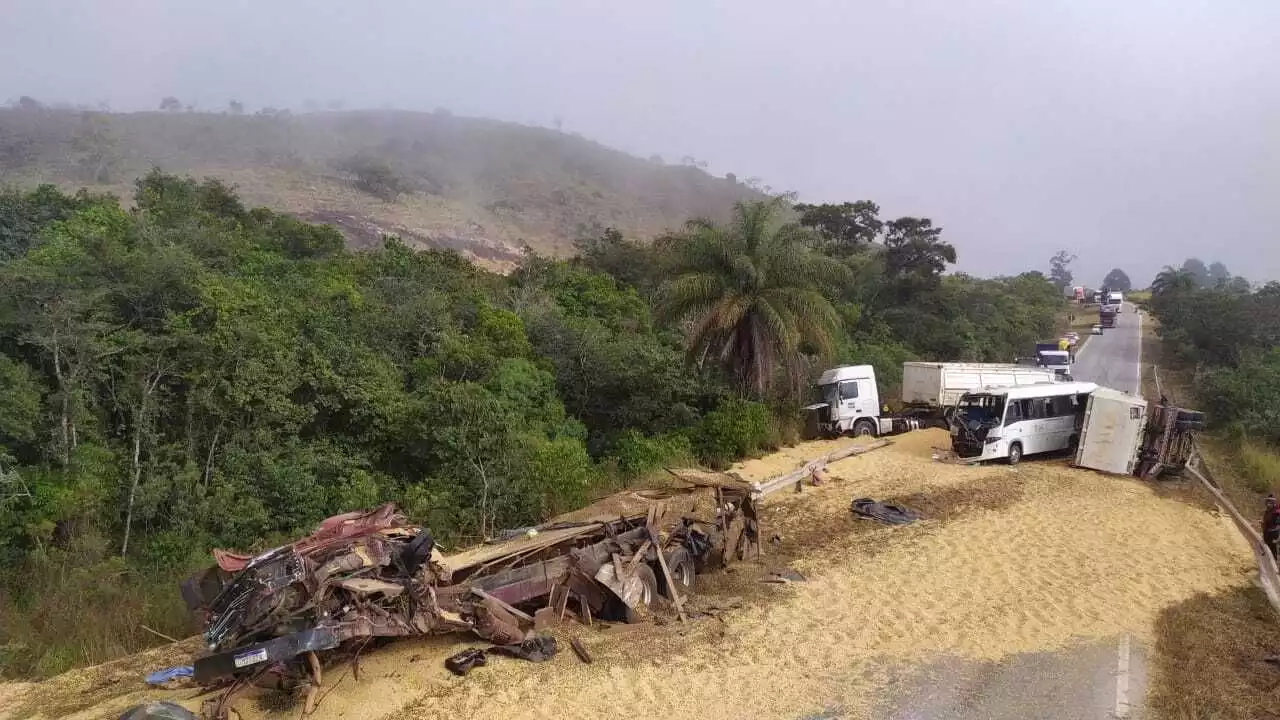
x=480 y=186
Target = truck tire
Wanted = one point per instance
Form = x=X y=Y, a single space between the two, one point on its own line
x=1015 y=453
x=1073 y=443
x=683 y=573
x=864 y=428
x=617 y=611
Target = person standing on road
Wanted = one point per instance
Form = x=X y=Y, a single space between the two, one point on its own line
x=1271 y=525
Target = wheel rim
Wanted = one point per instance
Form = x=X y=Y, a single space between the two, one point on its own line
x=684 y=575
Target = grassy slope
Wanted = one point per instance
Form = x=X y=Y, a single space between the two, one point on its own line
x=481 y=186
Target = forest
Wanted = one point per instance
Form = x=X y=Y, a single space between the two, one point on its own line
x=1225 y=335
x=188 y=373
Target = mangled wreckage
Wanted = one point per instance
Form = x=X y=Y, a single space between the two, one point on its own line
x=367 y=575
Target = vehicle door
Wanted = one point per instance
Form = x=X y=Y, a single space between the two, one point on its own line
x=851 y=403
x=1015 y=426
x=1039 y=431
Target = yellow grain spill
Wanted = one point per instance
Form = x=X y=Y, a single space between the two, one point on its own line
x=1022 y=559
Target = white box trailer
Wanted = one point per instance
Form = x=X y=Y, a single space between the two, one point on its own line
x=940 y=385
x=1111 y=437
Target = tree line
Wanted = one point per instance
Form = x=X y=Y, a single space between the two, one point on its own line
x=190 y=373
x=1227 y=334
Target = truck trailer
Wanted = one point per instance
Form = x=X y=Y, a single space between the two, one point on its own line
x=1125 y=434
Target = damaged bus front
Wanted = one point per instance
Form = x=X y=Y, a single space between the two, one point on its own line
x=1011 y=422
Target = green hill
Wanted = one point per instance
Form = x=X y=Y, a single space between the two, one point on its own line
x=480 y=186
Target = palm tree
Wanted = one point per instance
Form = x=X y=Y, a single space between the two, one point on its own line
x=750 y=291
x=1170 y=280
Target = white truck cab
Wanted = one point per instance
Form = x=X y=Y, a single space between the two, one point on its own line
x=851 y=398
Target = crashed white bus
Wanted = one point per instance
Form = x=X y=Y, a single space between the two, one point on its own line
x=1010 y=422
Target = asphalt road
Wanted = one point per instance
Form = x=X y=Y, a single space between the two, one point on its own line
x=1106 y=679
x=1113 y=358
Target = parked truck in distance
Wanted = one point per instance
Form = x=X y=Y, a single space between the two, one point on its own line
x=1107 y=315
x=849 y=400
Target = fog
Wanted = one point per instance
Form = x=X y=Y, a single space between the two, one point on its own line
x=1132 y=133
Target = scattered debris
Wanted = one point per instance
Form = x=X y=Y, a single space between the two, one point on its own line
x=783 y=575
x=884 y=512
x=158 y=710
x=160 y=677
x=535 y=649
x=580 y=650
x=460 y=663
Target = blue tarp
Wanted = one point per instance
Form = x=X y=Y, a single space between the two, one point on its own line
x=161 y=677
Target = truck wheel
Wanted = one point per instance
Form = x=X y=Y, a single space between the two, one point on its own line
x=616 y=610
x=1073 y=443
x=864 y=428
x=683 y=572
x=1015 y=453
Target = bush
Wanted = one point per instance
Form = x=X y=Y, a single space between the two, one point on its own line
x=1260 y=466
x=737 y=429
x=637 y=454
x=375 y=176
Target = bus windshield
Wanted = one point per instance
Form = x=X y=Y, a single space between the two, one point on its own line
x=976 y=409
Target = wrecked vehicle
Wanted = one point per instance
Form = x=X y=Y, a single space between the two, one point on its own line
x=367 y=575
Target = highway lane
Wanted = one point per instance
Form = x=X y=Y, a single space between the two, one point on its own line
x=1106 y=679
x=1114 y=358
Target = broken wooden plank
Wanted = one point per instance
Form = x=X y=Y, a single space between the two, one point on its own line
x=580 y=650
x=638 y=557
x=768 y=486
x=662 y=563
x=544 y=618
x=504 y=605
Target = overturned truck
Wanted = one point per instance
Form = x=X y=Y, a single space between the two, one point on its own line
x=367 y=575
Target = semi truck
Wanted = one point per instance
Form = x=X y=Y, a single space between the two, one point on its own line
x=849 y=400
x=1107 y=315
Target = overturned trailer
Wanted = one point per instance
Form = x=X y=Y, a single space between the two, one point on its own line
x=367 y=575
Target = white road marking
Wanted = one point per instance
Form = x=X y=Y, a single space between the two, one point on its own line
x=1122 y=679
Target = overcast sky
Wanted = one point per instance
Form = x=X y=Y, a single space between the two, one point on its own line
x=1131 y=132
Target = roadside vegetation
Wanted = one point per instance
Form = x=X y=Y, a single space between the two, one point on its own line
x=1217 y=353
x=190 y=373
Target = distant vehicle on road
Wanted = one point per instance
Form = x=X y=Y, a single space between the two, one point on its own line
x=1096 y=329
x=1115 y=298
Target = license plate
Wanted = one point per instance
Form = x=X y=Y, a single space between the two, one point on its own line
x=252 y=657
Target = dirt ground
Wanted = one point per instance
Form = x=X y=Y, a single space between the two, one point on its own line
x=1008 y=560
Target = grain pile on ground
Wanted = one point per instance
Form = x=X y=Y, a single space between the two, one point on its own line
x=1008 y=560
